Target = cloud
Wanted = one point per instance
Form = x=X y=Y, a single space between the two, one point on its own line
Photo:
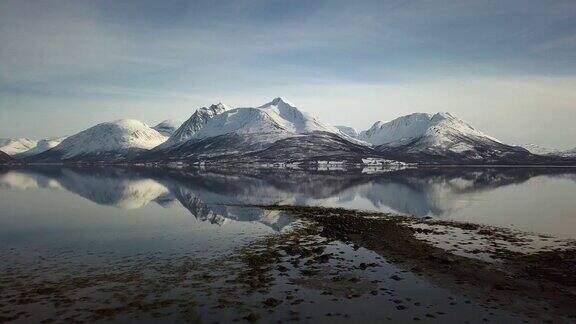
x=100 y=60
x=41 y=41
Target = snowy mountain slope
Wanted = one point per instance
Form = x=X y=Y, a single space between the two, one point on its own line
x=569 y=153
x=193 y=124
x=14 y=146
x=443 y=139
x=239 y=134
x=278 y=118
x=168 y=127
x=42 y=146
x=111 y=141
x=461 y=149
x=350 y=131
x=292 y=119
x=240 y=121
x=540 y=150
x=438 y=128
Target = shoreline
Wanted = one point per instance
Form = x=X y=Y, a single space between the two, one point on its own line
x=330 y=265
x=540 y=284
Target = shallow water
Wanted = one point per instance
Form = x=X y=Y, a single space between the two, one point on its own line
x=172 y=237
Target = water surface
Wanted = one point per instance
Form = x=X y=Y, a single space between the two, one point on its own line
x=64 y=201
x=143 y=244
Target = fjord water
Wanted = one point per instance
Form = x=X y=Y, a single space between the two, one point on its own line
x=56 y=222
x=80 y=201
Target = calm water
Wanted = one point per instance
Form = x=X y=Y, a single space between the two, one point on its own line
x=146 y=227
x=123 y=204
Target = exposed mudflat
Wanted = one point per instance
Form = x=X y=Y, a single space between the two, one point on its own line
x=332 y=265
x=530 y=274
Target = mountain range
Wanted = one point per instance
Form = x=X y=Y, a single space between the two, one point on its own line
x=279 y=133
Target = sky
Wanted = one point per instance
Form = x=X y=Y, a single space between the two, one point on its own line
x=508 y=67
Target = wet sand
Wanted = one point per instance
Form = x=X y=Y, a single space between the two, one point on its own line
x=332 y=265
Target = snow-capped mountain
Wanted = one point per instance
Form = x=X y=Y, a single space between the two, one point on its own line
x=111 y=141
x=168 y=127
x=438 y=128
x=264 y=133
x=440 y=138
x=42 y=146
x=189 y=128
x=278 y=119
x=540 y=150
x=350 y=131
x=14 y=146
x=24 y=147
x=279 y=132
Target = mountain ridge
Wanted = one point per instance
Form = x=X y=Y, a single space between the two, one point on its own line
x=15 y=146
x=42 y=145
x=198 y=119
x=279 y=132
x=251 y=134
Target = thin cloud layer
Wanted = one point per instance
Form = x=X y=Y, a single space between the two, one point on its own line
x=90 y=61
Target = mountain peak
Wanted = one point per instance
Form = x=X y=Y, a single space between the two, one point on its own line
x=278 y=101
x=126 y=123
x=210 y=111
x=276 y=117
x=443 y=116
x=194 y=123
x=408 y=128
x=219 y=106
x=377 y=124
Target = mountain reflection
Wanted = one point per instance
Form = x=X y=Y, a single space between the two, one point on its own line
x=219 y=197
